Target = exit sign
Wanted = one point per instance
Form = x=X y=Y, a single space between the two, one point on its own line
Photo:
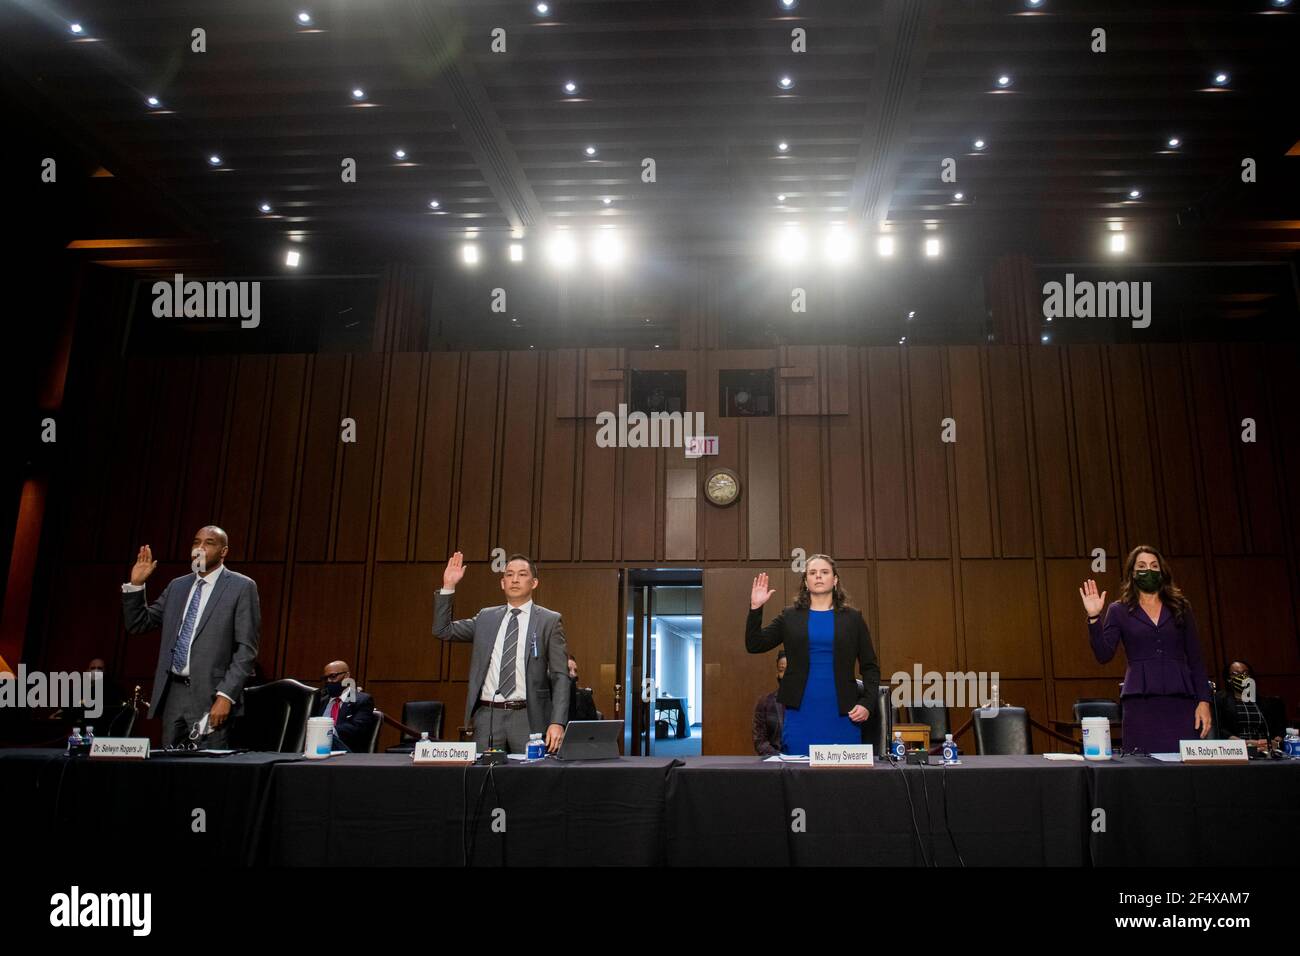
x=697 y=446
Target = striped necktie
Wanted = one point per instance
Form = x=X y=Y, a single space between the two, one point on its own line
x=506 y=682
x=181 y=652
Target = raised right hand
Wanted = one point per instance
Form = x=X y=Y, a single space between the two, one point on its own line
x=1092 y=603
x=761 y=592
x=454 y=572
x=144 y=565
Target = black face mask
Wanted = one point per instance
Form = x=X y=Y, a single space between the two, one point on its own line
x=334 y=689
x=1147 y=581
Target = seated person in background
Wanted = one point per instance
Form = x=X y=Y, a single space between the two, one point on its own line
x=582 y=702
x=769 y=716
x=1257 y=720
x=354 y=720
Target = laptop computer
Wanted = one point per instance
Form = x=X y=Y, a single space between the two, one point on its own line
x=590 y=740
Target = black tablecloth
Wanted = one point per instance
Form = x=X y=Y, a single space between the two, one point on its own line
x=132 y=811
x=1169 y=814
x=380 y=809
x=1000 y=811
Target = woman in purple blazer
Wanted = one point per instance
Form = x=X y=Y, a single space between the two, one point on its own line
x=1166 y=692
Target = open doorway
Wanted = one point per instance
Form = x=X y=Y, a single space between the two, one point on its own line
x=664 y=669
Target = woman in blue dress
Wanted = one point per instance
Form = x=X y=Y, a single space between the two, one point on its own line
x=823 y=637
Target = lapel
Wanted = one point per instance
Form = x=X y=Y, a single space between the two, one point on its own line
x=488 y=636
x=218 y=589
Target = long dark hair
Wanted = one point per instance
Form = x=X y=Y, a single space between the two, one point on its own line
x=839 y=600
x=1169 y=592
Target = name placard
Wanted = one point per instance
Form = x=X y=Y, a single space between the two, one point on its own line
x=841 y=755
x=1213 y=751
x=119 y=748
x=444 y=751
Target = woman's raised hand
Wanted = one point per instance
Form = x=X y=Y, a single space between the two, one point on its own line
x=1092 y=602
x=758 y=597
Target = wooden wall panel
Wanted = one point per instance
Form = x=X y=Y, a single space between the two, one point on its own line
x=848 y=504
x=587 y=599
x=917 y=624
x=597 y=497
x=200 y=473
x=478 y=455
x=359 y=459
x=929 y=481
x=1000 y=612
x=762 y=501
x=240 y=475
x=401 y=644
x=1256 y=627
x=1217 y=437
x=1137 y=490
x=970 y=454
x=1071 y=652
x=324 y=618
x=280 y=457
x=1175 y=467
x=320 y=458
x=1013 y=499
x=805 y=507
x=518 y=451
x=169 y=441
x=560 y=436
x=1092 y=448
x=641 y=502
x=399 y=444
x=436 y=480
x=1056 y=486
x=1248 y=397
x=889 y=488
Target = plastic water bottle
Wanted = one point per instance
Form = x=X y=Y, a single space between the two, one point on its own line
x=74 y=741
x=536 y=747
x=1291 y=743
x=949 y=750
x=898 y=749
x=424 y=735
x=89 y=739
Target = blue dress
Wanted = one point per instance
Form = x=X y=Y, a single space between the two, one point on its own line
x=817 y=719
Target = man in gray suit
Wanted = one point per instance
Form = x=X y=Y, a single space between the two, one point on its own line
x=211 y=623
x=519 y=671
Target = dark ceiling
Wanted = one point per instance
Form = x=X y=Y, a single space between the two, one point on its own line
x=885 y=92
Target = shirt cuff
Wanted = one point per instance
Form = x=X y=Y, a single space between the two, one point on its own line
x=446 y=590
x=227 y=696
x=130 y=588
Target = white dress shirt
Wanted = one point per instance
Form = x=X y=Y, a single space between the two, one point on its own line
x=209 y=584
x=489 y=691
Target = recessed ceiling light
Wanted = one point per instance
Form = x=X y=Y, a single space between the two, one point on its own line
x=76 y=28
x=570 y=87
x=214 y=160
x=1221 y=79
x=1045 y=338
x=542 y=9
x=358 y=93
x=590 y=150
x=782 y=147
x=780 y=197
x=1281 y=3
x=1004 y=80
x=1118 y=242
x=516 y=252
x=1033 y=4
x=1174 y=142
x=786 y=83
x=607 y=200
x=264 y=207
x=304 y=18
x=154 y=102
x=958 y=197
x=911 y=315
x=292 y=258
x=788 y=5
x=902 y=340
x=932 y=247
x=562 y=250
x=1135 y=194
x=434 y=204
x=979 y=144
x=469 y=254
x=885 y=246
x=399 y=154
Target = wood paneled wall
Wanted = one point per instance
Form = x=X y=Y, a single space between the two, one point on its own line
x=963 y=555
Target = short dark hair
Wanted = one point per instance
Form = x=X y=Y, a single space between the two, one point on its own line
x=780 y=655
x=572 y=658
x=532 y=568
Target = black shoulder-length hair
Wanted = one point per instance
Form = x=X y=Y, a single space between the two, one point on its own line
x=1170 y=593
x=839 y=600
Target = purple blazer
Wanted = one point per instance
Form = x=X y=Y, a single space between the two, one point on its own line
x=1162 y=658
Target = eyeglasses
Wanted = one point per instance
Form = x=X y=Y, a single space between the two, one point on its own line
x=337 y=675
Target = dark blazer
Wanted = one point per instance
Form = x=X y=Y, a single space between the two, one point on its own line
x=225 y=638
x=852 y=642
x=356 y=719
x=546 y=658
x=1272 y=709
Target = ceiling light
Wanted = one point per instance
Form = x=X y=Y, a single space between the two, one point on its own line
x=1174 y=142
x=542 y=9
x=607 y=200
x=358 y=93
x=292 y=258
x=469 y=254
x=1221 y=79
x=1033 y=4
x=75 y=28
x=516 y=252
x=782 y=147
x=304 y=18
x=1118 y=242
x=214 y=160
x=885 y=246
x=570 y=87
x=789 y=4
x=1004 y=81
x=264 y=207
x=839 y=245
x=1135 y=194
x=980 y=144
x=958 y=197
x=786 y=83
x=790 y=245
x=399 y=154
x=911 y=315
x=607 y=248
x=780 y=197
x=154 y=102
x=932 y=247
x=590 y=150
x=434 y=204
x=562 y=250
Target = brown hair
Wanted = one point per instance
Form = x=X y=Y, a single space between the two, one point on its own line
x=803 y=599
x=1169 y=592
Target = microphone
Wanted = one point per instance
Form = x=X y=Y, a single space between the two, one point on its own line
x=493 y=755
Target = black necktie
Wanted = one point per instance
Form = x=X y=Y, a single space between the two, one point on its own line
x=506 y=682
